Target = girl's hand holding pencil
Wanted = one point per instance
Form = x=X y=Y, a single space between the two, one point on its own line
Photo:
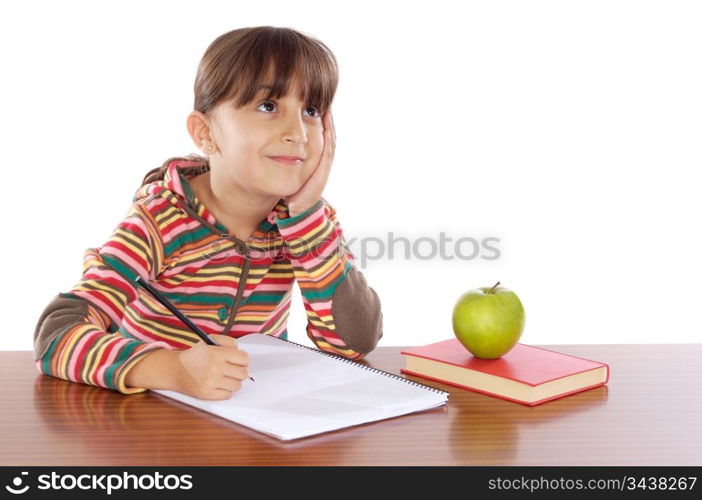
x=212 y=372
x=211 y=369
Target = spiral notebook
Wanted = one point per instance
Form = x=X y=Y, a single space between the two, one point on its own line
x=300 y=391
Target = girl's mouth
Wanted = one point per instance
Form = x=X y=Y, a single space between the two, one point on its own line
x=285 y=161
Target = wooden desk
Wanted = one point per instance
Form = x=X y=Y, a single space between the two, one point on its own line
x=650 y=413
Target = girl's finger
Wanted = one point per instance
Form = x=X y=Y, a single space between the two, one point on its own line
x=328 y=144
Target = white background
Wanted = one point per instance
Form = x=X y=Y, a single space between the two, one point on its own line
x=570 y=130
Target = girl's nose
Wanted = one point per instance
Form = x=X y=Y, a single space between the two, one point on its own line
x=293 y=128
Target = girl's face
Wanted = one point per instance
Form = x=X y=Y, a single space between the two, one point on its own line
x=246 y=138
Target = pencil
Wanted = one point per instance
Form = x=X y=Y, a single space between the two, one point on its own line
x=167 y=304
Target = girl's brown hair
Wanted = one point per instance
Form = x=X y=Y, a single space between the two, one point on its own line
x=239 y=61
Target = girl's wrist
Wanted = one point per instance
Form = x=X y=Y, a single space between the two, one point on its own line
x=159 y=369
x=294 y=211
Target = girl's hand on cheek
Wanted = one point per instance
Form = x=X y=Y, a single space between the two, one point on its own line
x=311 y=191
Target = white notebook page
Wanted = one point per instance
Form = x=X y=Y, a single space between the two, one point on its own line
x=301 y=391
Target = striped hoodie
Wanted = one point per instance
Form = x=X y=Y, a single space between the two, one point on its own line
x=96 y=332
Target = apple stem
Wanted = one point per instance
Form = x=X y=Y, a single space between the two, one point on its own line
x=493 y=288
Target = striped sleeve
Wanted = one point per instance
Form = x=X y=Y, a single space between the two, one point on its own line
x=76 y=337
x=344 y=316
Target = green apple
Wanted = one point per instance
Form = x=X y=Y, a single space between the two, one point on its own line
x=488 y=321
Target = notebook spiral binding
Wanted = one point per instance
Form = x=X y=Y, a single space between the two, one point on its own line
x=365 y=367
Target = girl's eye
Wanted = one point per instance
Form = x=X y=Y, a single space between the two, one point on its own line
x=271 y=103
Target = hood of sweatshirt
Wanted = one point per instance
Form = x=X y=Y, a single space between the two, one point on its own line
x=175 y=188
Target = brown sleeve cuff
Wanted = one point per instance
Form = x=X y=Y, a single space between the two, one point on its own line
x=357 y=314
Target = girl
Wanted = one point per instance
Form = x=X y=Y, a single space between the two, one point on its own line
x=223 y=236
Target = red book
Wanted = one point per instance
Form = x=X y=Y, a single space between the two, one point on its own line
x=526 y=374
